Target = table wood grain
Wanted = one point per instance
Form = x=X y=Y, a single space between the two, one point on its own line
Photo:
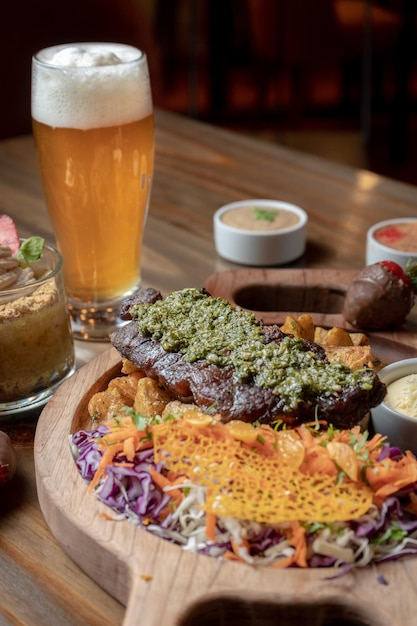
x=198 y=169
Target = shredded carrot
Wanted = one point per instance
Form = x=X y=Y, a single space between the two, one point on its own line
x=389 y=476
x=211 y=521
x=174 y=478
x=141 y=440
x=106 y=460
x=297 y=539
x=238 y=548
x=163 y=482
x=107 y=516
x=120 y=433
x=376 y=442
x=231 y=556
x=283 y=563
x=129 y=448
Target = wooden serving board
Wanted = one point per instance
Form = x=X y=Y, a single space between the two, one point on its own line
x=162 y=585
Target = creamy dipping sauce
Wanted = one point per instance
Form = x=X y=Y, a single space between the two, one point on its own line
x=260 y=218
x=401 y=236
x=402 y=395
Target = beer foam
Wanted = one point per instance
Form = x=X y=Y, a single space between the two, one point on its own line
x=79 y=57
x=90 y=86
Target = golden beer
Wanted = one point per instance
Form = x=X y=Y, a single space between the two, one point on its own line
x=94 y=134
x=97 y=186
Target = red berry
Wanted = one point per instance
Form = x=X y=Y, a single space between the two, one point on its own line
x=397 y=271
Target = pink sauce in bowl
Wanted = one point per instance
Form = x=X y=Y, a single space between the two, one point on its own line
x=392 y=240
x=400 y=236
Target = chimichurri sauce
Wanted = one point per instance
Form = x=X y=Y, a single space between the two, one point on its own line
x=201 y=327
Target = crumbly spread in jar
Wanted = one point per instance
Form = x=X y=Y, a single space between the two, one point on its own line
x=36 y=344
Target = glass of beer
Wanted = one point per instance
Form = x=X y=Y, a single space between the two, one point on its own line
x=93 y=127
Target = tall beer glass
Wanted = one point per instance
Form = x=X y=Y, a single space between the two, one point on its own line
x=94 y=134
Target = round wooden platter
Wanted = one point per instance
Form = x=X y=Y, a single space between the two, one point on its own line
x=162 y=585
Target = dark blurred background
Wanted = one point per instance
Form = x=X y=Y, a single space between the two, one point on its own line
x=336 y=78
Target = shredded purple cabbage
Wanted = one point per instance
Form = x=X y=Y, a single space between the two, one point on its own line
x=124 y=488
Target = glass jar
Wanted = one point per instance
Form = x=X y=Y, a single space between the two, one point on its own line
x=36 y=344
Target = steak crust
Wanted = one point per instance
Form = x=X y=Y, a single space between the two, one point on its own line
x=210 y=386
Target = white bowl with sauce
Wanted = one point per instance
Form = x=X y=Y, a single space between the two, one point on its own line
x=392 y=240
x=260 y=232
x=400 y=428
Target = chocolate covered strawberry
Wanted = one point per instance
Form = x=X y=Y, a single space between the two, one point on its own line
x=381 y=296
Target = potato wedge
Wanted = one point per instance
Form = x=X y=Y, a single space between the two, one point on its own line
x=337 y=337
x=306 y=324
x=291 y=326
x=356 y=357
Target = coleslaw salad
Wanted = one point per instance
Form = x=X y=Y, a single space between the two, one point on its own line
x=313 y=496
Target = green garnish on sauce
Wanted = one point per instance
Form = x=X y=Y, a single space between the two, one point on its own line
x=268 y=215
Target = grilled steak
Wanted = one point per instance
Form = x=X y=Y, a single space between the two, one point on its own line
x=241 y=391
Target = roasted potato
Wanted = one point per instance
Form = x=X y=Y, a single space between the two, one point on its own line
x=340 y=345
x=150 y=398
x=127 y=386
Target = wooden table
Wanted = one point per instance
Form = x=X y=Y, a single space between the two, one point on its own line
x=198 y=168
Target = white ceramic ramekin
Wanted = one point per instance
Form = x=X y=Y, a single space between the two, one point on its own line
x=260 y=247
x=377 y=251
x=400 y=429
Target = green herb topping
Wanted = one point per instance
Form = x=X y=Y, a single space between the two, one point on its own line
x=204 y=328
x=31 y=249
x=268 y=215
